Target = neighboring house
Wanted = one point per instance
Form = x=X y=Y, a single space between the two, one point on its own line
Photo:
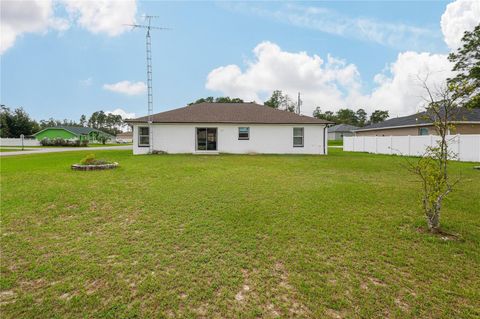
x=466 y=121
x=230 y=128
x=337 y=132
x=124 y=137
x=71 y=132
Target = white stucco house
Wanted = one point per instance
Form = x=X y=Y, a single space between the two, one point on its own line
x=238 y=128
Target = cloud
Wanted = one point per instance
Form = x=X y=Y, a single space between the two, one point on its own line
x=331 y=83
x=20 y=17
x=38 y=16
x=102 y=16
x=399 y=86
x=329 y=21
x=123 y=113
x=127 y=87
x=319 y=81
x=459 y=16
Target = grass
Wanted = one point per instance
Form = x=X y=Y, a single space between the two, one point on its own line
x=234 y=237
x=335 y=142
x=3 y=149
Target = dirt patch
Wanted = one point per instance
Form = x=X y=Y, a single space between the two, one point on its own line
x=7 y=297
x=334 y=314
x=287 y=295
x=443 y=235
x=94 y=286
x=377 y=282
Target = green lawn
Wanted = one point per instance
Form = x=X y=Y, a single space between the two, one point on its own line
x=3 y=149
x=335 y=142
x=233 y=237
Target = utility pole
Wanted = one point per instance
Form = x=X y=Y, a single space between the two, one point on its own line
x=149 y=27
x=299 y=103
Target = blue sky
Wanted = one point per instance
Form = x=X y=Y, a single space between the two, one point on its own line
x=61 y=71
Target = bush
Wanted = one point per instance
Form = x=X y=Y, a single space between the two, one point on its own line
x=63 y=142
x=91 y=160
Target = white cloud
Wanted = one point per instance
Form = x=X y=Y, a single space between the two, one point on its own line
x=123 y=113
x=127 y=87
x=20 y=17
x=459 y=16
x=321 y=82
x=397 y=35
x=38 y=16
x=331 y=83
x=103 y=16
x=399 y=87
x=334 y=83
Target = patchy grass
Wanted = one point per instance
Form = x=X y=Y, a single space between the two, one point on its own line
x=233 y=236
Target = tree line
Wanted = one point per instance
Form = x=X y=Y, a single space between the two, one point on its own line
x=15 y=122
x=358 y=118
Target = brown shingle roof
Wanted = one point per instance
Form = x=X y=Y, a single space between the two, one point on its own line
x=229 y=113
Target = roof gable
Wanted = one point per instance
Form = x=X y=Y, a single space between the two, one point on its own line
x=77 y=130
x=342 y=128
x=229 y=113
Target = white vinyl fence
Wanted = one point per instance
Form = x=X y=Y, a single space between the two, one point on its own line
x=466 y=147
x=18 y=142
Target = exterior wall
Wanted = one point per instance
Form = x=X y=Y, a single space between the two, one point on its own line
x=467 y=129
x=55 y=133
x=338 y=135
x=269 y=139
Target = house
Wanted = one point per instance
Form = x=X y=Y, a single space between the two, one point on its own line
x=124 y=137
x=466 y=121
x=72 y=132
x=229 y=128
x=337 y=132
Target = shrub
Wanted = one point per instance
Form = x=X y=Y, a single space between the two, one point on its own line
x=63 y=142
x=88 y=160
x=91 y=160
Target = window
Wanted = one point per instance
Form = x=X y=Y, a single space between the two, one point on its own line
x=298 y=137
x=243 y=133
x=143 y=136
x=423 y=131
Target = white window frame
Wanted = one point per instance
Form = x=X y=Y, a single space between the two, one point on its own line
x=296 y=136
x=248 y=132
x=143 y=135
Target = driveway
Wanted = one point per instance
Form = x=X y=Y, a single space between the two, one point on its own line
x=65 y=149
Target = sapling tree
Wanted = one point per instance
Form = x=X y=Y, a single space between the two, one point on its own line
x=441 y=110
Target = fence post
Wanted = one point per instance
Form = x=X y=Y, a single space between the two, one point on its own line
x=458 y=147
x=376 y=144
x=409 y=153
x=391 y=144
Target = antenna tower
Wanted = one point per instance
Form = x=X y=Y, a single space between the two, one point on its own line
x=299 y=103
x=149 y=27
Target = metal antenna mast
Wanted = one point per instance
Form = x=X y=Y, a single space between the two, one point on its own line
x=149 y=27
x=299 y=103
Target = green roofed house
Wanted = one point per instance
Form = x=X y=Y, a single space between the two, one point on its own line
x=72 y=132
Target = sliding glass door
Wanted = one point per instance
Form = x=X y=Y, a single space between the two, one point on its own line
x=206 y=138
